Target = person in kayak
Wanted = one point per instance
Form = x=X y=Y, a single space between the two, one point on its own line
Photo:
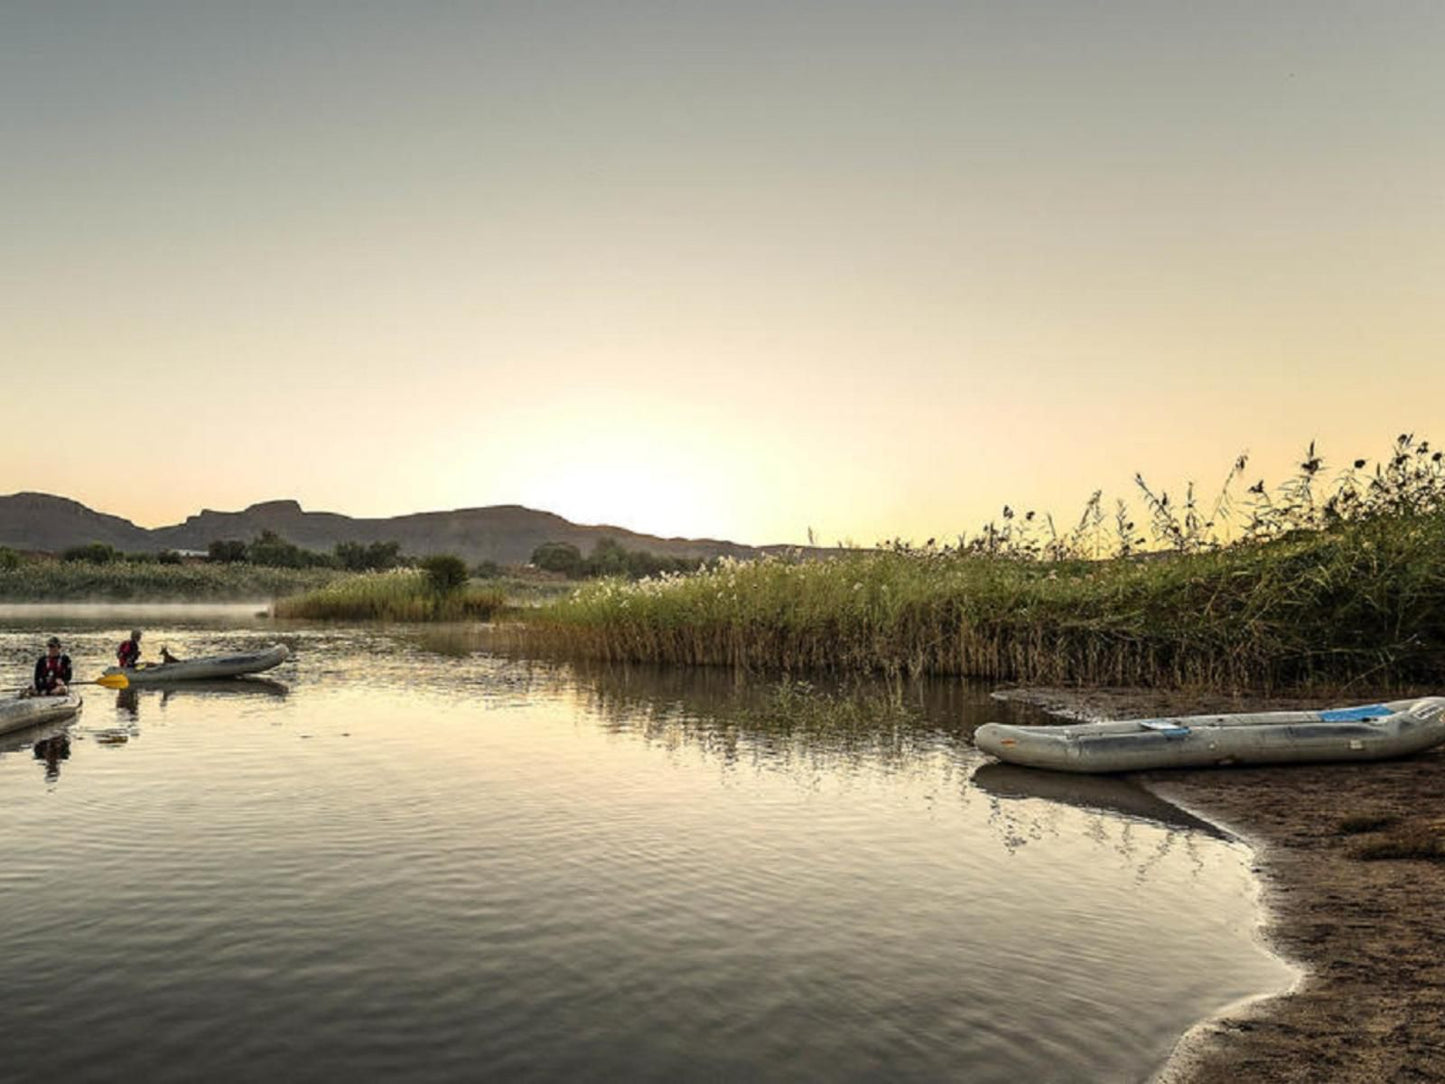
x=128 y=654
x=52 y=671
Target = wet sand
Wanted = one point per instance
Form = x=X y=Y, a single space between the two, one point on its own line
x=1368 y=934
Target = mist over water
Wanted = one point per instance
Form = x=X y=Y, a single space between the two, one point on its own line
x=403 y=855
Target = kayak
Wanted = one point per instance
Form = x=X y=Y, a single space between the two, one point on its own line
x=18 y=712
x=202 y=669
x=1367 y=732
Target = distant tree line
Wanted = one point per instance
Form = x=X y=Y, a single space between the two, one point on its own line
x=272 y=551
x=100 y=553
x=609 y=558
x=267 y=550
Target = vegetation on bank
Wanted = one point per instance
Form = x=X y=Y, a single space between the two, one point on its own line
x=266 y=550
x=437 y=593
x=150 y=581
x=1287 y=588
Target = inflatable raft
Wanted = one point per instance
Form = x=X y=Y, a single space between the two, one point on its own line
x=203 y=669
x=1369 y=732
x=17 y=713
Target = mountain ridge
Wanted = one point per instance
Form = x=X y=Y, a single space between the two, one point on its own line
x=504 y=533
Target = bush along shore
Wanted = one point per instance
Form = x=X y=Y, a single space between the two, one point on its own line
x=1319 y=590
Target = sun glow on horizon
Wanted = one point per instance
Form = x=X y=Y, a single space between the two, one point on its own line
x=871 y=270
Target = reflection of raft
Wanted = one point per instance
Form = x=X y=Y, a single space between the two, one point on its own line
x=1371 y=732
x=202 y=669
x=1094 y=793
x=20 y=712
x=234 y=686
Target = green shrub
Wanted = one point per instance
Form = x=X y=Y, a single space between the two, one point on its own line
x=560 y=557
x=226 y=551
x=445 y=573
x=367 y=557
x=95 y=553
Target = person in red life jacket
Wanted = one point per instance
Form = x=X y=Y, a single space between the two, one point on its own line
x=52 y=671
x=128 y=654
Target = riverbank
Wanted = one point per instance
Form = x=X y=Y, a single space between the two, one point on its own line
x=1371 y=1003
x=47 y=581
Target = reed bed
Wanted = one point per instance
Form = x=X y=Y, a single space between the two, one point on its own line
x=77 y=581
x=1319 y=593
x=400 y=595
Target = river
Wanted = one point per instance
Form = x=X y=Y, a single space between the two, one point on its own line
x=406 y=855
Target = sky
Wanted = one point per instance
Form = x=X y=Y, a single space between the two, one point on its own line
x=742 y=270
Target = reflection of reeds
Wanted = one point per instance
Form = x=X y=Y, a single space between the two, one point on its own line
x=1319 y=591
x=884 y=723
x=402 y=595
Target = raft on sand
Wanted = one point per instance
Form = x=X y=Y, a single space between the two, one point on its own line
x=19 y=712
x=203 y=669
x=1369 y=732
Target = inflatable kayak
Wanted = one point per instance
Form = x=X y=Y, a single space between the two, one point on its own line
x=205 y=668
x=1369 y=732
x=16 y=713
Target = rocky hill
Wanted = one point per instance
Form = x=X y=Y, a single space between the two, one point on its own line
x=505 y=533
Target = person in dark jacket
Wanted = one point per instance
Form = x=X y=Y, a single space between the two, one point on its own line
x=128 y=654
x=52 y=671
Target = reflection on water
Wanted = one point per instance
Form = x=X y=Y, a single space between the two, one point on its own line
x=128 y=701
x=408 y=856
x=48 y=743
x=51 y=751
x=1101 y=793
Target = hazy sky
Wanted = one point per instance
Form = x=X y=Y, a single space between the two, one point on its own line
x=716 y=268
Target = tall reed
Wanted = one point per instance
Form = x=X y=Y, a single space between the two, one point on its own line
x=1318 y=591
x=399 y=595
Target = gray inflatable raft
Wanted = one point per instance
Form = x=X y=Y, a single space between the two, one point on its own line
x=1368 y=732
x=16 y=713
x=203 y=669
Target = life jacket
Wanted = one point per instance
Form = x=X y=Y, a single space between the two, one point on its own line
x=53 y=673
x=128 y=652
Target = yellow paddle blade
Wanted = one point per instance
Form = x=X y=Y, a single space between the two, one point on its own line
x=114 y=681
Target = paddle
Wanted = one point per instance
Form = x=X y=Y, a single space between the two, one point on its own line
x=109 y=681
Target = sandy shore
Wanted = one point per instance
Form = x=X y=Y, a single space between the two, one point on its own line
x=1367 y=932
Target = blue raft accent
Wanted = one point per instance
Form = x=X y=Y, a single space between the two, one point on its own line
x=1168 y=727
x=1354 y=715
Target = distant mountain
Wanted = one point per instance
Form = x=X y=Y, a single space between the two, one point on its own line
x=38 y=521
x=506 y=533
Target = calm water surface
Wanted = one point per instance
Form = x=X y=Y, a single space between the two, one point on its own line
x=405 y=857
